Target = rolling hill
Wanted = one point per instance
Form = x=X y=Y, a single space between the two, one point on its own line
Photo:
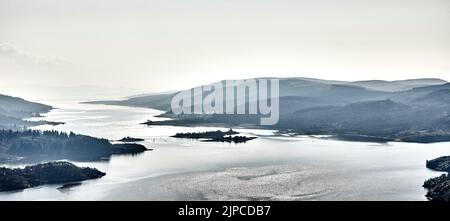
x=413 y=110
x=13 y=110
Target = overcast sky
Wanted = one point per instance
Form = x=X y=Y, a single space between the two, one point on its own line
x=173 y=44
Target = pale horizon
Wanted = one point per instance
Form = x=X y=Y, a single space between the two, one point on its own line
x=157 y=46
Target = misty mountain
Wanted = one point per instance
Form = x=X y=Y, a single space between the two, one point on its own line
x=18 y=107
x=409 y=110
x=13 y=110
x=44 y=92
x=33 y=145
x=436 y=98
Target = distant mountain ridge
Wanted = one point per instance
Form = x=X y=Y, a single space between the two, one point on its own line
x=327 y=91
x=414 y=110
x=400 y=85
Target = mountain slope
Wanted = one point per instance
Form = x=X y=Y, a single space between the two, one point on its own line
x=13 y=110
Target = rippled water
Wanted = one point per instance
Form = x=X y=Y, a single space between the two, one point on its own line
x=270 y=167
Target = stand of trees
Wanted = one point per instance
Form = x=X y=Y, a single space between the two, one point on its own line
x=55 y=145
x=47 y=173
x=216 y=136
x=439 y=187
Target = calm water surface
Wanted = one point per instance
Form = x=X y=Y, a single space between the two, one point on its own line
x=269 y=168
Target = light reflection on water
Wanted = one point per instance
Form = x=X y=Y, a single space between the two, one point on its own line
x=270 y=167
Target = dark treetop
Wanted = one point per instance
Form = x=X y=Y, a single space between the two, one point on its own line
x=47 y=173
x=414 y=110
x=439 y=187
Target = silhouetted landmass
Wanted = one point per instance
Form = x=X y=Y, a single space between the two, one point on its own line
x=13 y=110
x=128 y=148
x=383 y=120
x=307 y=92
x=216 y=136
x=160 y=101
x=231 y=139
x=191 y=121
x=414 y=110
x=47 y=173
x=439 y=187
x=17 y=144
x=20 y=108
x=31 y=145
x=131 y=139
x=422 y=120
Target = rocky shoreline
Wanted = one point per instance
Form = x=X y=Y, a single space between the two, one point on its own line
x=438 y=187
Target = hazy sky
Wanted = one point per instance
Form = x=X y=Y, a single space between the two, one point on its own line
x=173 y=44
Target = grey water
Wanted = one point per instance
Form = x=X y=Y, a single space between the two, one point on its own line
x=272 y=167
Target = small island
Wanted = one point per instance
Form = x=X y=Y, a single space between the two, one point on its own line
x=231 y=139
x=46 y=173
x=130 y=139
x=438 y=187
x=439 y=164
x=216 y=136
